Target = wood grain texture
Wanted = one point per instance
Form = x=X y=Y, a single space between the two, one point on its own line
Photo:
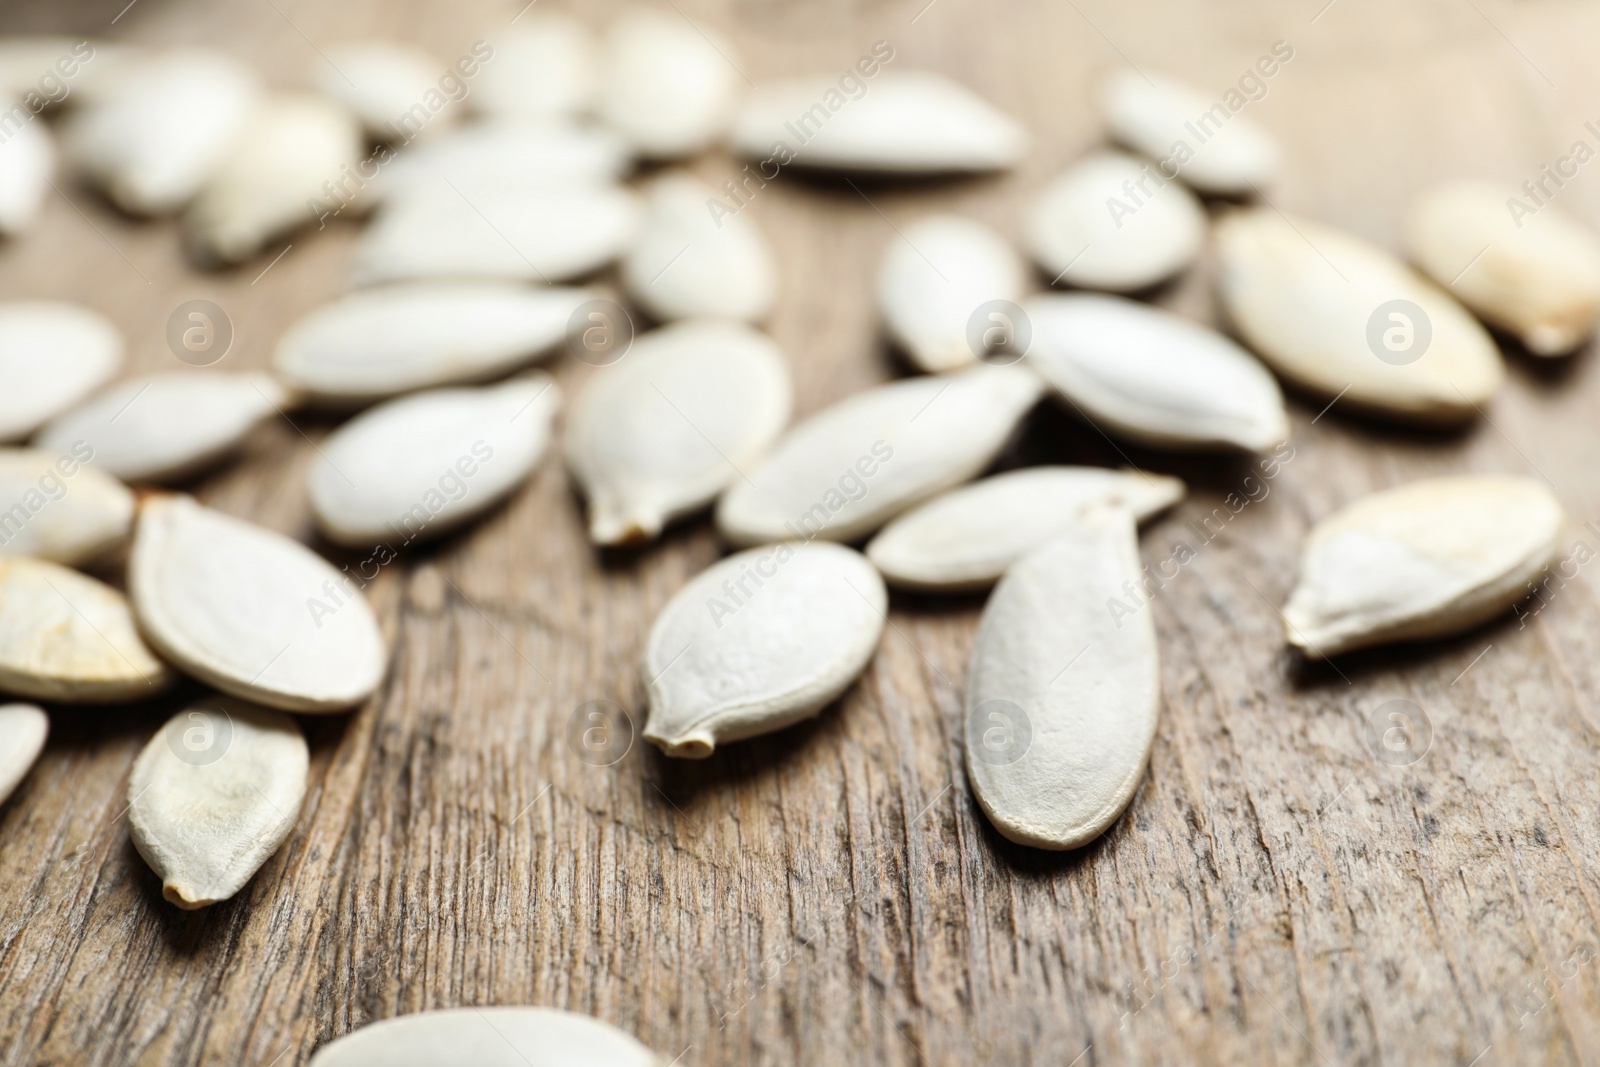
x=1275 y=894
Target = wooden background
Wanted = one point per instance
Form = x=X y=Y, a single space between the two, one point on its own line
x=1275 y=894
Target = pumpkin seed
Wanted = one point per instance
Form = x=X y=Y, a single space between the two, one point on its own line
x=51 y=356
x=907 y=122
x=27 y=163
x=160 y=126
x=1536 y=276
x=1153 y=377
x=23 y=729
x=965 y=539
x=421 y=465
x=213 y=795
x=1087 y=230
x=167 y=427
x=1153 y=114
x=544 y=66
x=1062 y=693
x=662 y=432
x=687 y=264
x=669 y=86
x=1341 y=318
x=54 y=507
x=935 y=278
x=487 y=1037
x=376 y=344
x=292 y=146
x=66 y=637
x=1423 y=560
x=380 y=82
x=249 y=611
x=504 y=156
x=759 y=641
x=852 y=467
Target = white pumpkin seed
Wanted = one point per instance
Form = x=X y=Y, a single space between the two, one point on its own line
x=1080 y=235
x=56 y=508
x=249 y=611
x=544 y=66
x=758 y=642
x=549 y=234
x=292 y=145
x=51 y=356
x=669 y=85
x=213 y=795
x=167 y=427
x=502 y=157
x=965 y=539
x=1423 y=560
x=1228 y=154
x=162 y=125
x=1535 y=275
x=421 y=465
x=27 y=163
x=1345 y=320
x=66 y=637
x=24 y=61
x=934 y=278
x=385 y=84
x=1153 y=377
x=906 y=122
x=662 y=432
x=487 y=1037
x=854 y=466
x=376 y=344
x=23 y=730
x=1063 y=694
x=687 y=264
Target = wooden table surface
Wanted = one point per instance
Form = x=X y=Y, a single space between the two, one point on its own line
x=1276 y=893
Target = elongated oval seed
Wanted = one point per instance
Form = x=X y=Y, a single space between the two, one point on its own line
x=1343 y=319
x=376 y=344
x=419 y=466
x=1535 y=275
x=383 y=83
x=23 y=729
x=1153 y=377
x=213 y=795
x=167 y=427
x=487 y=1037
x=935 y=278
x=1062 y=695
x=965 y=539
x=69 y=513
x=544 y=66
x=1427 y=559
x=1154 y=115
x=1085 y=229
x=669 y=87
x=52 y=355
x=249 y=611
x=759 y=641
x=852 y=467
x=504 y=156
x=27 y=163
x=904 y=122
x=688 y=263
x=662 y=432
x=65 y=636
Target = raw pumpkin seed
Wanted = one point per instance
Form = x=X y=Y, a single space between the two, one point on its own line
x=213 y=795
x=421 y=465
x=56 y=508
x=52 y=355
x=965 y=539
x=935 y=278
x=487 y=1037
x=504 y=156
x=544 y=66
x=854 y=466
x=381 y=82
x=1423 y=560
x=66 y=637
x=662 y=432
x=1535 y=275
x=27 y=163
x=1153 y=377
x=1062 y=693
x=1153 y=115
x=167 y=427
x=251 y=612
x=23 y=729
x=759 y=641
x=1342 y=318
x=668 y=86
x=686 y=263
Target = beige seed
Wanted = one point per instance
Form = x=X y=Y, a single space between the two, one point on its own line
x=52 y=355
x=686 y=263
x=57 y=508
x=1153 y=115
x=488 y=1037
x=669 y=85
x=23 y=729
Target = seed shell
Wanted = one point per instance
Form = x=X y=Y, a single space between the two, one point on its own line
x=23 y=729
x=52 y=355
x=487 y=1037
x=56 y=508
